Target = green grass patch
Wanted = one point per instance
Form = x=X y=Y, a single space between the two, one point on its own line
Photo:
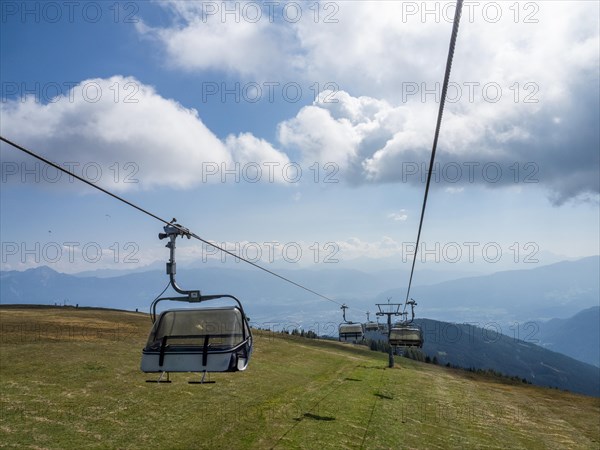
x=70 y=379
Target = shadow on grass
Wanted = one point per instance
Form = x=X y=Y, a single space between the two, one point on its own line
x=315 y=417
x=383 y=396
x=362 y=366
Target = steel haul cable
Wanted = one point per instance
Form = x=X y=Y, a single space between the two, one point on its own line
x=160 y=219
x=195 y=236
x=451 y=47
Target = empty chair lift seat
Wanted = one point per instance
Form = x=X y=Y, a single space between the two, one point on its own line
x=406 y=336
x=198 y=340
x=351 y=332
x=371 y=326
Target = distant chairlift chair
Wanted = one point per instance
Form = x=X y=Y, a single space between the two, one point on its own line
x=403 y=335
x=407 y=334
x=350 y=331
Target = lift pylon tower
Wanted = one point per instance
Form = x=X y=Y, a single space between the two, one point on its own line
x=389 y=309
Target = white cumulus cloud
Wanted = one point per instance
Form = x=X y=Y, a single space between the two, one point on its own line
x=164 y=143
x=517 y=68
x=203 y=37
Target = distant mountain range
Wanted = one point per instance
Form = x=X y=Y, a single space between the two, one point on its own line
x=554 y=291
x=577 y=336
x=472 y=347
x=542 y=293
x=505 y=301
x=482 y=348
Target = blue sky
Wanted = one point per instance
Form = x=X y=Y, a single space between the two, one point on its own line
x=168 y=103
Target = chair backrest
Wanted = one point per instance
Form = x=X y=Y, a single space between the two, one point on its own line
x=350 y=328
x=407 y=335
x=225 y=326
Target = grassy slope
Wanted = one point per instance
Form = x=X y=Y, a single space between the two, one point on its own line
x=69 y=378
